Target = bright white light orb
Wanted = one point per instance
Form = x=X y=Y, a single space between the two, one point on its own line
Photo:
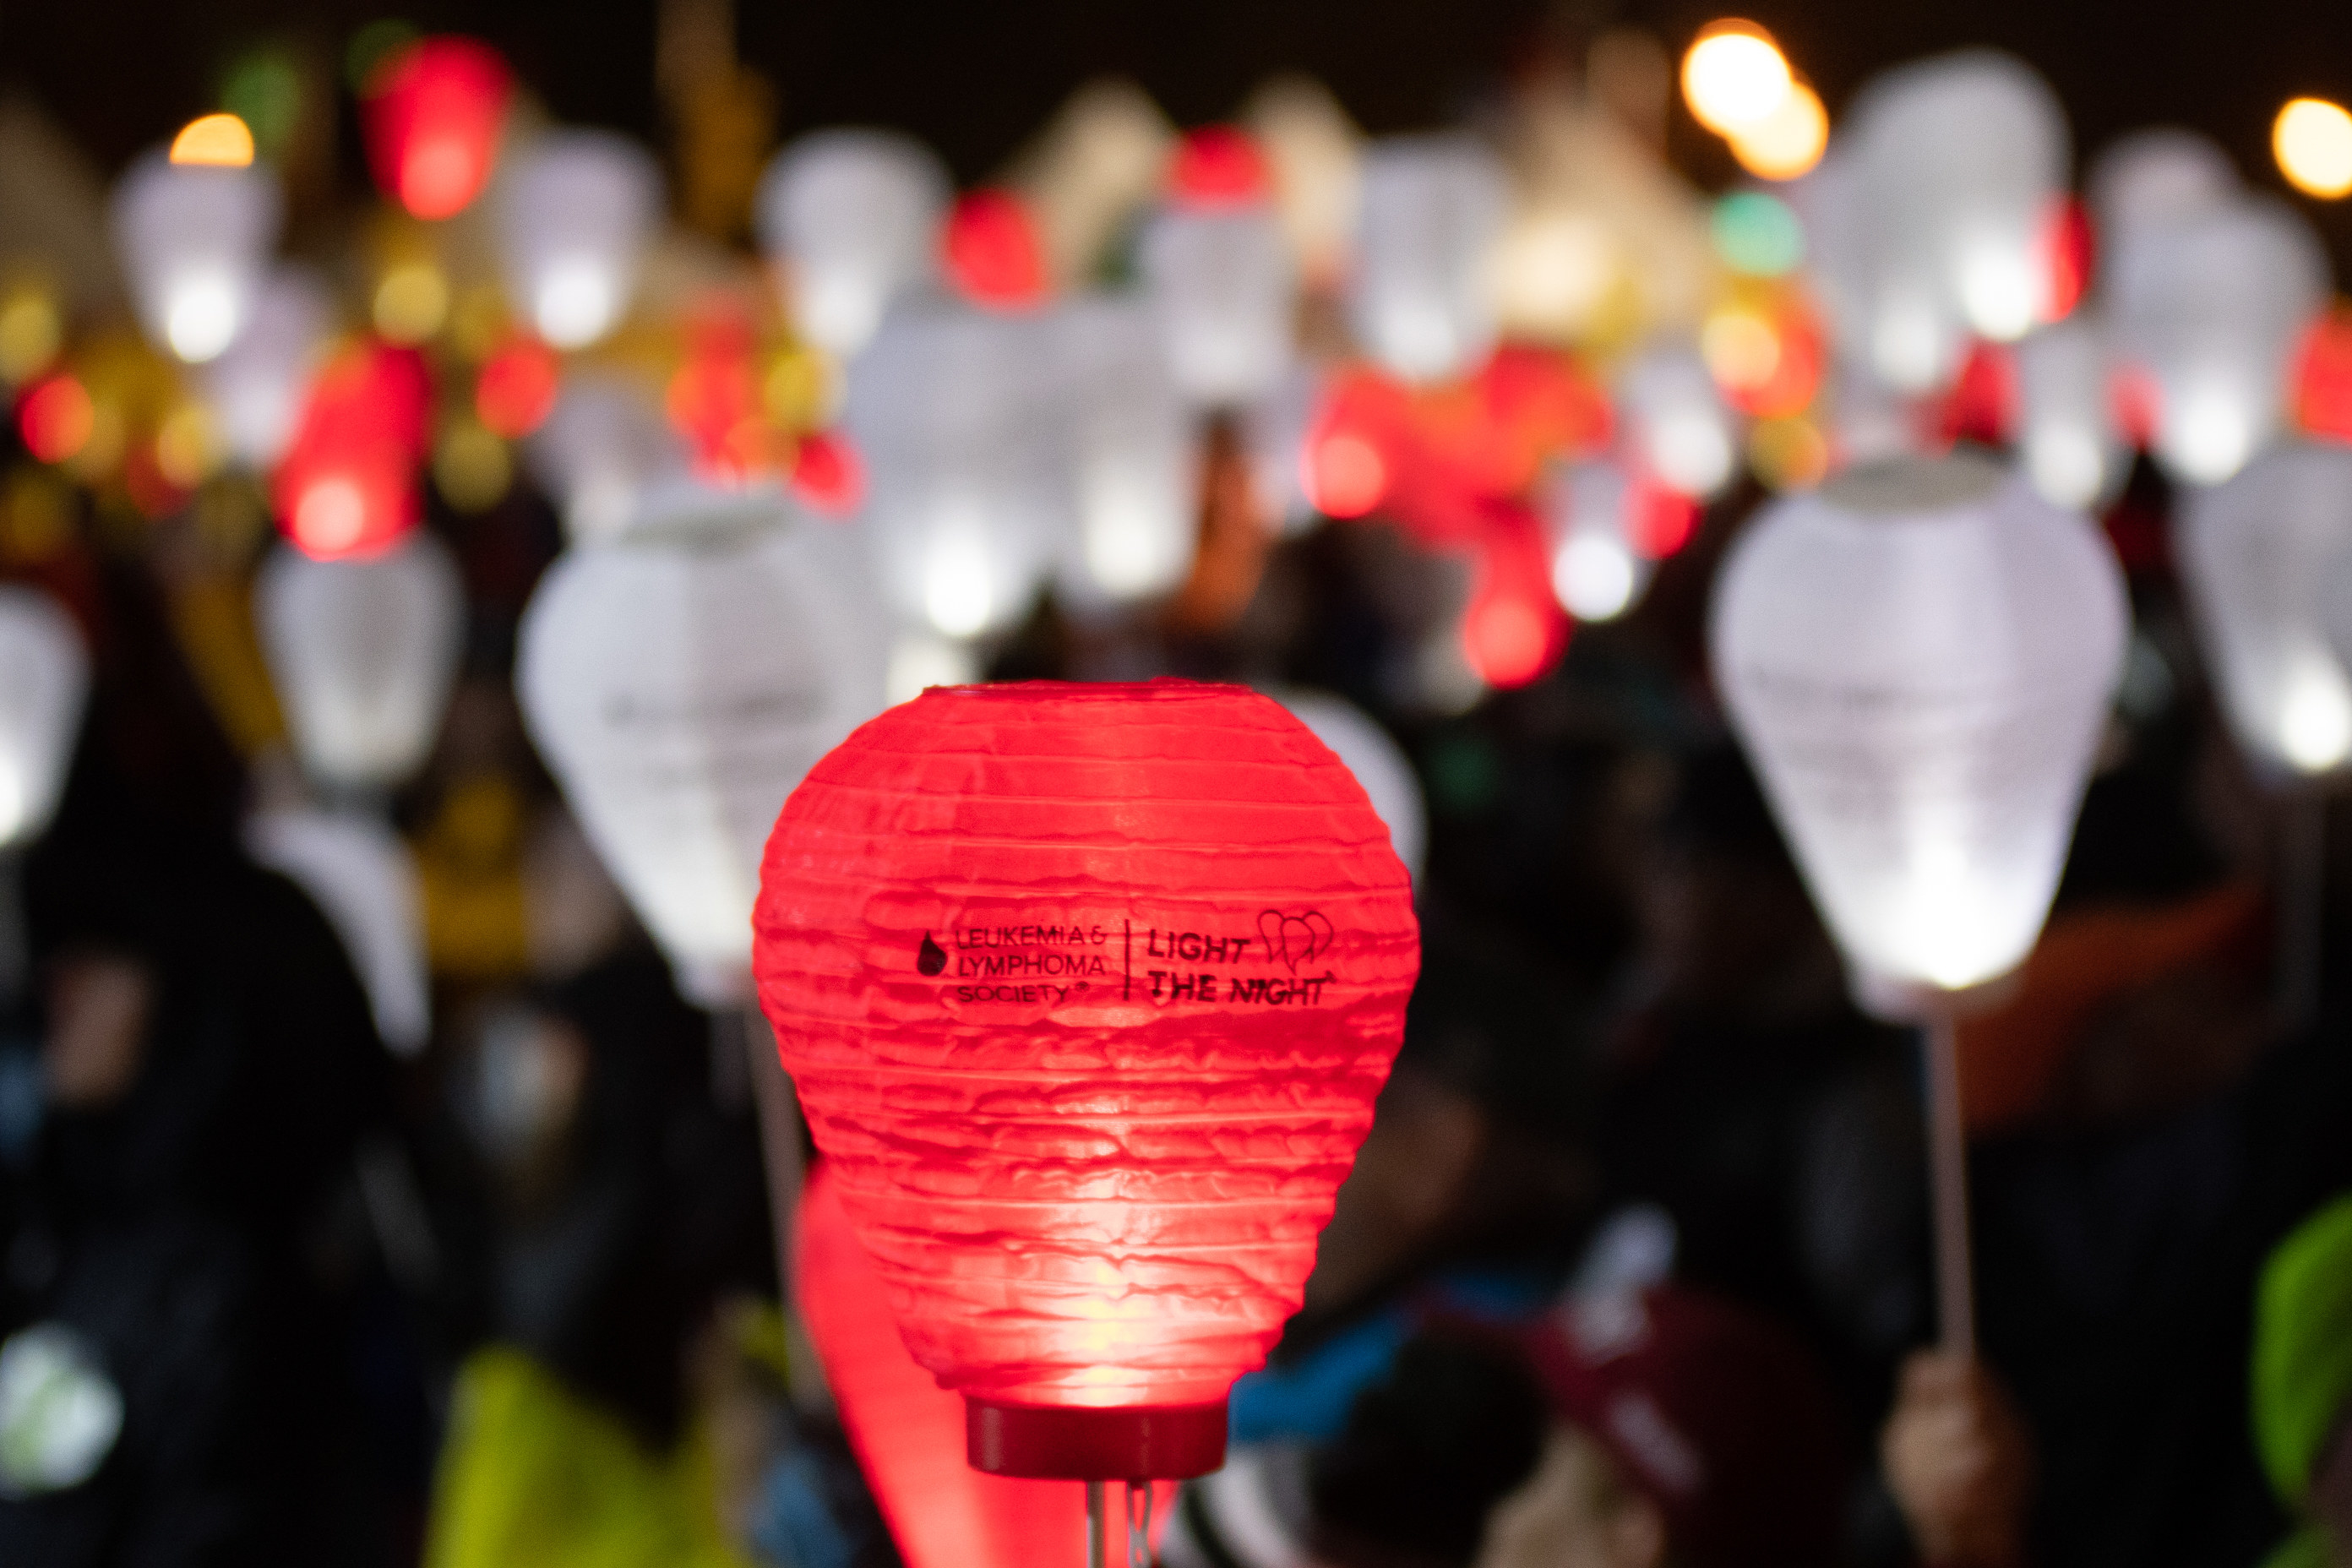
x=1735 y=78
x=1593 y=577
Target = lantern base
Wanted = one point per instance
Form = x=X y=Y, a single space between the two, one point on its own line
x=1894 y=1001
x=1055 y=1442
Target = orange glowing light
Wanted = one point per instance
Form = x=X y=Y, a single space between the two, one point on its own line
x=213 y=142
x=1735 y=78
x=517 y=389
x=56 y=419
x=2311 y=140
x=1788 y=142
x=1346 y=475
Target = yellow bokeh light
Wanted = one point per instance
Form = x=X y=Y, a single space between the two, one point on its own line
x=213 y=142
x=1741 y=349
x=31 y=332
x=1788 y=142
x=2313 y=141
x=187 y=448
x=1788 y=453
x=1734 y=76
x=412 y=301
x=471 y=467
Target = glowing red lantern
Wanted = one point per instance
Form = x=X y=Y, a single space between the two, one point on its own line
x=991 y=252
x=1513 y=630
x=1087 y=991
x=1218 y=166
x=517 y=389
x=347 y=486
x=827 y=477
x=432 y=117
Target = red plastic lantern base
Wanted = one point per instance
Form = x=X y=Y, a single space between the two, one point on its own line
x=1162 y=1442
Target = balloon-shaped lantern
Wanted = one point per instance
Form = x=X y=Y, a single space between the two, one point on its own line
x=194 y=241
x=1597 y=569
x=2069 y=442
x=1131 y=466
x=679 y=678
x=1681 y=432
x=432 y=114
x=2257 y=556
x=1422 y=294
x=852 y=217
x=576 y=211
x=1087 y=991
x=363 y=652
x=44 y=679
x=2210 y=306
x=1220 y=274
x=1961 y=162
x=950 y=408
x=1918 y=659
x=1378 y=763
x=2156 y=175
x=257 y=386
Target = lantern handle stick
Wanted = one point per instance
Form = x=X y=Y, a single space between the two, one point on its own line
x=1948 y=1156
x=779 y=1111
x=1097 y=1527
x=1138 y=1524
x=2302 y=905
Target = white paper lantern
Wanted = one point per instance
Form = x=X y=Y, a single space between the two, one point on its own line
x=1132 y=472
x=576 y=211
x=1223 y=290
x=2257 y=556
x=2068 y=440
x=604 y=443
x=1596 y=573
x=44 y=682
x=1678 y=425
x=194 y=241
x=362 y=651
x=2156 y=175
x=1422 y=296
x=679 y=679
x=853 y=217
x=1379 y=764
x=355 y=868
x=1918 y=659
x=954 y=412
x=1962 y=160
x=2210 y=306
x=257 y=386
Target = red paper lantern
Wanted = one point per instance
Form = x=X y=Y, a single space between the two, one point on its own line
x=991 y=254
x=432 y=114
x=1087 y=991
x=347 y=485
x=1218 y=166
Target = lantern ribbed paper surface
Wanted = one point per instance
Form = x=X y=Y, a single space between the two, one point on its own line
x=1087 y=991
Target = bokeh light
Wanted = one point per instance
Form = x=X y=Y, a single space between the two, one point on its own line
x=1757 y=234
x=1787 y=142
x=992 y=251
x=213 y=142
x=517 y=389
x=2312 y=139
x=56 y=419
x=1735 y=78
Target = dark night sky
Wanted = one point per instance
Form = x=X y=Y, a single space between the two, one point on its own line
x=973 y=78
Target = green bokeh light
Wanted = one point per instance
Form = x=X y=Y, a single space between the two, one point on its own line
x=1758 y=234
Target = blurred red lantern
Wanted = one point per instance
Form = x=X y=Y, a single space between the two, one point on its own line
x=1088 y=990
x=827 y=478
x=1513 y=630
x=347 y=485
x=516 y=391
x=991 y=252
x=432 y=116
x=1218 y=166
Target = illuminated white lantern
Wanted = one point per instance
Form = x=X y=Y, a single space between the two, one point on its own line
x=194 y=241
x=601 y=446
x=954 y=413
x=1378 y=763
x=363 y=651
x=1596 y=573
x=44 y=682
x=679 y=678
x=2068 y=440
x=2210 y=306
x=851 y=215
x=1962 y=160
x=1918 y=658
x=1422 y=296
x=255 y=387
x=355 y=868
x=2156 y=176
x=1223 y=290
x=1680 y=429
x=1132 y=472
x=2258 y=554
x=575 y=210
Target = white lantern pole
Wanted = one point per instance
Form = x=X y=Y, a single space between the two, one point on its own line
x=1918 y=658
x=679 y=678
